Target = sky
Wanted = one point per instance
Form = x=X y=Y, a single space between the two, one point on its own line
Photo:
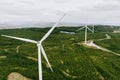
x=78 y=11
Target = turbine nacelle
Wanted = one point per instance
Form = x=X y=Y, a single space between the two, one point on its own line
x=38 y=44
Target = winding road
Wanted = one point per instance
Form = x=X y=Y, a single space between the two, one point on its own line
x=91 y=43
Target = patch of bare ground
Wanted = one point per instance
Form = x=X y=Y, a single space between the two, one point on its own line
x=20 y=68
x=69 y=75
x=55 y=47
x=17 y=49
x=17 y=76
x=72 y=38
x=35 y=59
x=32 y=58
x=5 y=50
x=2 y=57
x=61 y=61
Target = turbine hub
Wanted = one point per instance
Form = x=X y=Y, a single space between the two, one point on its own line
x=38 y=43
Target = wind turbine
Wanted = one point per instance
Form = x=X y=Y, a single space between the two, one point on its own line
x=93 y=29
x=40 y=47
x=86 y=29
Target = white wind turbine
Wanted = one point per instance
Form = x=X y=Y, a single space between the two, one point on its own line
x=86 y=29
x=93 y=29
x=40 y=47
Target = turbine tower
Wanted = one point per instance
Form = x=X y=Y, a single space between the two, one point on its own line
x=40 y=47
x=86 y=29
x=93 y=29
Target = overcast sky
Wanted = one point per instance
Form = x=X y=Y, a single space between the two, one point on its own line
x=78 y=11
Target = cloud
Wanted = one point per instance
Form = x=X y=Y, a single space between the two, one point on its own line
x=91 y=11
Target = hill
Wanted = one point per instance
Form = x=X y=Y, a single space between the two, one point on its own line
x=70 y=61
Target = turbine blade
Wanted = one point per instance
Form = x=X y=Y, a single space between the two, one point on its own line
x=80 y=29
x=89 y=29
x=49 y=32
x=18 y=38
x=45 y=56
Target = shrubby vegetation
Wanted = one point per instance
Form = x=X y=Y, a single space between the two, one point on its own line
x=70 y=61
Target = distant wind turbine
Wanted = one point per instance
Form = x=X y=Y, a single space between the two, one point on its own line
x=93 y=29
x=86 y=29
x=40 y=47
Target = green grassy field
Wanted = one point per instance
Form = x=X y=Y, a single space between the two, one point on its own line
x=70 y=61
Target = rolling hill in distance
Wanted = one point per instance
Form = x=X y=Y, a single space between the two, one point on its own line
x=13 y=25
x=70 y=59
